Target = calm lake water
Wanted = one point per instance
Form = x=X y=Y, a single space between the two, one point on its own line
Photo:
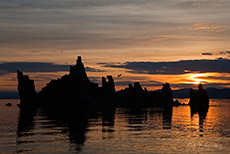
x=148 y=130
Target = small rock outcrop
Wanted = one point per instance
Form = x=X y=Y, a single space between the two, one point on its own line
x=132 y=96
x=199 y=98
x=8 y=104
x=136 y=96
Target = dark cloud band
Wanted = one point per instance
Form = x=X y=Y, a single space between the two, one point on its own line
x=173 y=68
x=12 y=67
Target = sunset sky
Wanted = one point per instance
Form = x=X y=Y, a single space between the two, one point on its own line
x=182 y=42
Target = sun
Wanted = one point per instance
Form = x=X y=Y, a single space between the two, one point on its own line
x=196 y=78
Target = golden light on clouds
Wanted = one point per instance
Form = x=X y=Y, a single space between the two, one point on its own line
x=196 y=78
x=207 y=78
x=210 y=27
x=116 y=31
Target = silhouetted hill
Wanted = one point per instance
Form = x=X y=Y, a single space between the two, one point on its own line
x=9 y=95
x=212 y=93
x=181 y=93
x=218 y=93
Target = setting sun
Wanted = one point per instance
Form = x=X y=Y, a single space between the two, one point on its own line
x=196 y=78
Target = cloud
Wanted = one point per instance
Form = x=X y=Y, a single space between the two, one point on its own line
x=219 y=65
x=226 y=77
x=90 y=69
x=224 y=52
x=160 y=38
x=211 y=27
x=207 y=53
x=12 y=67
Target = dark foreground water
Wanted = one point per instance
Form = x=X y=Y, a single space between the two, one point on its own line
x=125 y=131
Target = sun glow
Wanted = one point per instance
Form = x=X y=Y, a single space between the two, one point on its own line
x=196 y=78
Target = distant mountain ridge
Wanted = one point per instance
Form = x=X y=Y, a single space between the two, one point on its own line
x=9 y=95
x=212 y=93
x=180 y=93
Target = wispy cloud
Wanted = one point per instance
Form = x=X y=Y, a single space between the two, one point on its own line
x=210 y=27
x=224 y=52
x=160 y=38
x=221 y=53
x=17 y=38
x=207 y=53
x=225 y=77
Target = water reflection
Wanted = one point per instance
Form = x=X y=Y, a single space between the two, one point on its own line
x=38 y=126
x=108 y=117
x=25 y=127
x=156 y=118
x=72 y=132
x=167 y=118
x=202 y=113
x=25 y=123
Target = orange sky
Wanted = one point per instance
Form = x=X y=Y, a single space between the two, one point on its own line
x=115 y=32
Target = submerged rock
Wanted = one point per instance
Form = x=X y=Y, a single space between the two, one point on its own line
x=8 y=104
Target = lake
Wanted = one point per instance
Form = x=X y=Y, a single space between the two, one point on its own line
x=146 y=130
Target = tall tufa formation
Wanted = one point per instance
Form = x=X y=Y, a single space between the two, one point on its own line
x=78 y=71
x=75 y=88
x=199 y=98
x=108 y=85
x=108 y=90
x=167 y=93
x=26 y=89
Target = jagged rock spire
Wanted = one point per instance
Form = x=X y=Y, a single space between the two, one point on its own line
x=26 y=89
x=78 y=70
x=199 y=99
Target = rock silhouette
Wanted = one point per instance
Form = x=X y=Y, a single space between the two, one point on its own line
x=136 y=96
x=8 y=104
x=73 y=99
x=108 y=89
x=26 y=89
x=132 y=96
x=75 y=92
x=199 y=99
x=72 y=91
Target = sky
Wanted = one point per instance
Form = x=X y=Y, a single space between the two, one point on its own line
x=183 y=42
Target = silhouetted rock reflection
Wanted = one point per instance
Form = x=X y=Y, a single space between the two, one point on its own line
x=202 y=113
x=25 y=122
x=138 y=117
x=75 y=127
x=167 y=118
x=108 y=116
x=33 y=124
